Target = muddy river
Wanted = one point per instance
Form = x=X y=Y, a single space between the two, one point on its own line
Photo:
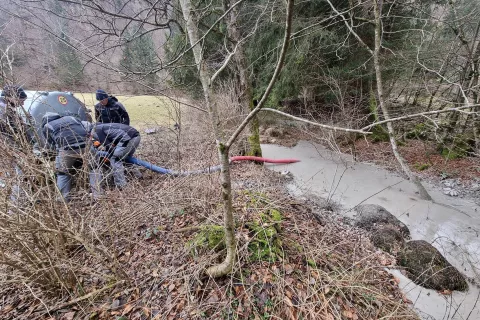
x=452 y=225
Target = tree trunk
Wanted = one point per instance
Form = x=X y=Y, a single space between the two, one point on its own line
x=229 y=224
x=243 y=85
x=191 y=24
x=381 y=100
x=475 y=94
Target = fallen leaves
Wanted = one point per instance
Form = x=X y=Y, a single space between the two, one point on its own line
x=288 y=301
x=68 y=316
x=6 y=309
x=239 y=290
x=350 y=314
x=330 y=317
x=290 y=289
x=128 y=308
x=288 y=269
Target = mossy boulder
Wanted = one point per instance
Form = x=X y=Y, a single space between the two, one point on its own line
x=209 y=237
x=387 y=238
x=371 y=215
x=426 y=266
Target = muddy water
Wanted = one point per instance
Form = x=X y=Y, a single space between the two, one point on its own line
x=453 y=227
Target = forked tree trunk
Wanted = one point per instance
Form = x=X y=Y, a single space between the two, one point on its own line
x=381 y=100
x=223 y=148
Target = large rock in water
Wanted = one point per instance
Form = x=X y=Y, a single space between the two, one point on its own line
x=388 y=238
x=274 y=132
x=371 y=215
x=427 y=267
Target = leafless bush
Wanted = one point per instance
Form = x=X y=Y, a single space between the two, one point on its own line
x=232 y=113
x=55 y=246
x=42 y=236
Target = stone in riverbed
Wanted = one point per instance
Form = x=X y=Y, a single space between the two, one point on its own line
x=371 y=215
x=387 y=238
x=274 y=132
x=426 y=266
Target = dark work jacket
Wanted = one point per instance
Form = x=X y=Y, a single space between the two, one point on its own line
x=109 y=134
x=113 y=112
x=66 y=133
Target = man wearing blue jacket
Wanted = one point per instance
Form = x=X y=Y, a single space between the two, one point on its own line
x=109 y=110
x=119 y=141
x=69 y=136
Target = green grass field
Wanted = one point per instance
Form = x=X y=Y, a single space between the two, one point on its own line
x=144 y=111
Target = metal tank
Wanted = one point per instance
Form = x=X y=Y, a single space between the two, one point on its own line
x=64 y=103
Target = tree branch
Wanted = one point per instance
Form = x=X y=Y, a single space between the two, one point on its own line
x=421 y=114
x=224 y=65
x=87 y=296
x=324 y=126
x=350 y=28
x=278 y=69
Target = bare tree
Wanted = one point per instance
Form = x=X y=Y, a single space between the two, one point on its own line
x=375 y=53
x=243 y=86
x=208 y=78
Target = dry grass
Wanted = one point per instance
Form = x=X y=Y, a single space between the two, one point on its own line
x=144 y=111
x=322 y=271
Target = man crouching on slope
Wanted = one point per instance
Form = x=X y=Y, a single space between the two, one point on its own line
x=119 y=141
x=69 y=135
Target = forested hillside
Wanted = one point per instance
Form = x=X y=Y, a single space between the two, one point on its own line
x=427 y=57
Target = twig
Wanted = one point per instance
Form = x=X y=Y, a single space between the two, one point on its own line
x=186 y=229
x=392 y=185
x=87 y=296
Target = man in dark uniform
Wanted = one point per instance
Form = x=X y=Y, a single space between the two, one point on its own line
x=120 y=141
x=69 y=135
x=109 y=110
x=11 y=123
x=15 y=133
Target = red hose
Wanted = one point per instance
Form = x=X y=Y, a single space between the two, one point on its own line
x=260 y=159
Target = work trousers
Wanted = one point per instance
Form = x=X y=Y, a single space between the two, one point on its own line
x=66 y=164
x=119 y=154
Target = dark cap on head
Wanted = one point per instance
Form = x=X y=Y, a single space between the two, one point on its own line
x=101 y=94
x=12 y=91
